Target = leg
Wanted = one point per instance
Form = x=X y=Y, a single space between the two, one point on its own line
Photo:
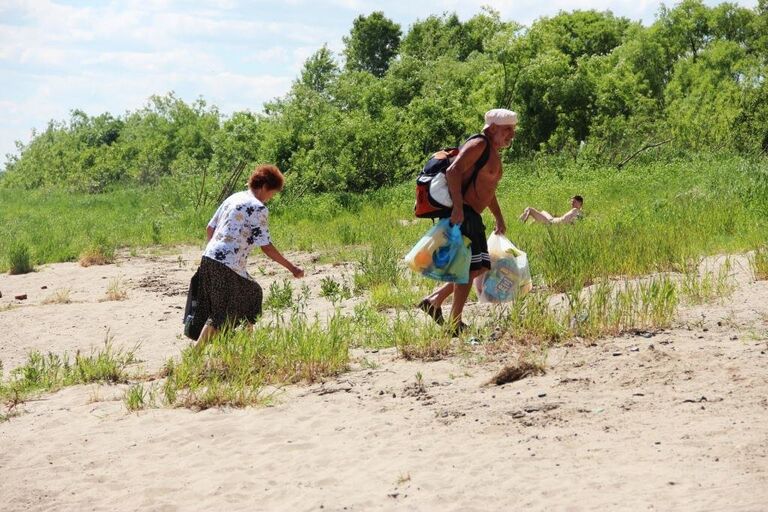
x=480 y=261
x=433 y=303
x=208 y=332
x=542 y=217
x=438 y=296
x=460 y=294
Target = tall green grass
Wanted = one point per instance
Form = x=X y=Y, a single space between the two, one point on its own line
x=647 y=217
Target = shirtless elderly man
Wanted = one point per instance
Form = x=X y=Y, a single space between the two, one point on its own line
x=469 y=201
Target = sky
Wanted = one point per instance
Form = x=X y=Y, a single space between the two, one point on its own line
x=111 y=56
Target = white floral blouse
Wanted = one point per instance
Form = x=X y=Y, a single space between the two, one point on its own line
x=240 y=223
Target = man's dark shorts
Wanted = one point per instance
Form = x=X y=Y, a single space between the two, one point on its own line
x=474 y=229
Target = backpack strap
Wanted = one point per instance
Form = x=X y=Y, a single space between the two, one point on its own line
x=480 y=162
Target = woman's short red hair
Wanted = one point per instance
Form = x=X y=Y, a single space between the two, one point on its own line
x=266 y=175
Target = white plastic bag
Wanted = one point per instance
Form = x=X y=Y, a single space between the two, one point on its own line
x=438 y=189
x=509 y=277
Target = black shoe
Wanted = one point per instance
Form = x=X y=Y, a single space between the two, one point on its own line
x=433 y=311
x=458 y=329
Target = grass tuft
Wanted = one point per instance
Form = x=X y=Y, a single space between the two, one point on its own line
x=115 y=290
x=19 y=259
x=100 y=252
x=758 y=262
x=50 y=372
x=280 y=295
x=60 y=296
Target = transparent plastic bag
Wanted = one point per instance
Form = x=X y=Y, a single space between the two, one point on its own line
x=509 y=277
x=441 y=254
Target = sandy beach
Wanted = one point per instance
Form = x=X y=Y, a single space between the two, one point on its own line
x=674 y=420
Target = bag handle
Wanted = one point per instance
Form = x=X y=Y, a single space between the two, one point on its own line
x=480 y=162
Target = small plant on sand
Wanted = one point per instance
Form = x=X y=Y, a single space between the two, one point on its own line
x=418 y=339
x=60 y=296
x=372 y=327
x=609 y=308
x=532 y=319
x=19 y=259
x=333 y=290
x=367 y=364
x=702 y=287
x=280 y=295
x=403 y=478
x=400 y=296
x=378 y=265
x=137 y=397
x=758 y=262
x=115 y=290
x=100 y=252
x=419 y=383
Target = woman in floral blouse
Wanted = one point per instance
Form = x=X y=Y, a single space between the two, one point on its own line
x=228 y=294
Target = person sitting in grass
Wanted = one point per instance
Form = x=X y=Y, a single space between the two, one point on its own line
x=228 y=294
x=545 y=217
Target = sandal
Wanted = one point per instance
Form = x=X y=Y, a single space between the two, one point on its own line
x=434 y=312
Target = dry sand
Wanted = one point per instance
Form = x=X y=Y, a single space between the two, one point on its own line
x=674 y=421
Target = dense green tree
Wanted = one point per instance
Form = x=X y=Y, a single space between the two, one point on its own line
x=696 y=77
x=447 y=36
x=703 y=97
x=685 y=28
x=319 y=70
x=372 y=43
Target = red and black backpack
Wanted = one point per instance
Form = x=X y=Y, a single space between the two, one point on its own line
x=432 y=198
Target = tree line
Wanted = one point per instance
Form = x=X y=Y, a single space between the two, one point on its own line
x=588 y=83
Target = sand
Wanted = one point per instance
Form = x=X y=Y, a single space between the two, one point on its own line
x=675 y=420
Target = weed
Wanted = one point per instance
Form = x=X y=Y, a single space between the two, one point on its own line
x=379 y=265
x=50 y=372
x=416 y=339
x=386 y=296
x=333 y=290
x=419 y=384
x=707 y=286
x=758 y=262
x=135 y=397
x=100 y=252
x=115 y=290
x=60 y=296
x=368 y=364
x=280 y=295
x=19 y=259
x=403 y=478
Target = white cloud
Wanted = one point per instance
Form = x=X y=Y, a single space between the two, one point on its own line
x=233 y=92
x=268 y=55
x=237 y=54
